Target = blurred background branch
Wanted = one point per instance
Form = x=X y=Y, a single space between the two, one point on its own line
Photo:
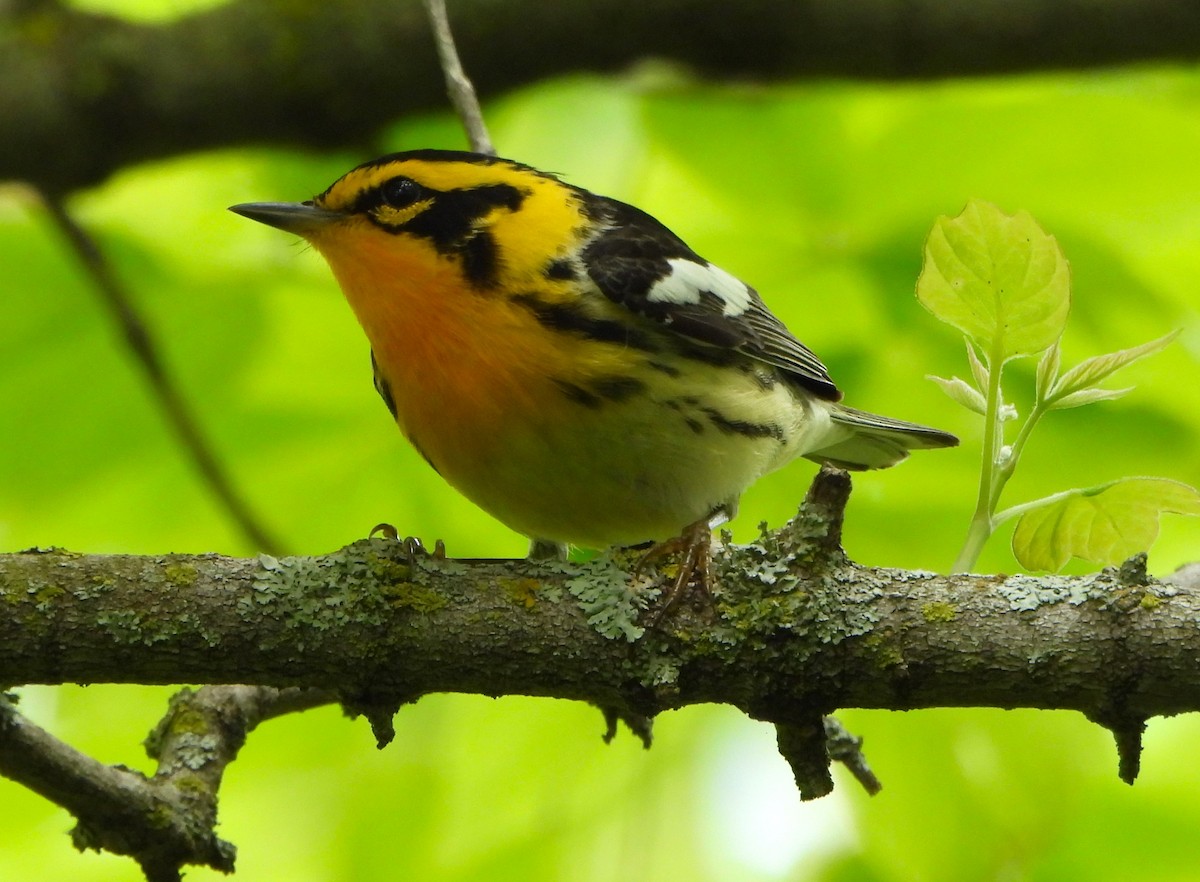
x=333 y=74
x=147 y=353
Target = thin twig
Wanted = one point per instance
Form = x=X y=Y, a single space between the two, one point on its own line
x=846 y=749
x=458 y=85
x=146 y=353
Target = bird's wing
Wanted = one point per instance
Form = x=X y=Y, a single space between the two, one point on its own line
x=640 y=264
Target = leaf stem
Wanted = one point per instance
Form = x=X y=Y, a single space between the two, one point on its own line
x=982 y=524
x=1005 y=470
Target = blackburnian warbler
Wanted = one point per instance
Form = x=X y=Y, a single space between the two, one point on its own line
x=564 y=359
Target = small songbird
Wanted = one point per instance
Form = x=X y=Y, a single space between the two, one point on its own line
x=564 y=359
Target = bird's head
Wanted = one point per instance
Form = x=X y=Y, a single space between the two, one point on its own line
x=488 y=216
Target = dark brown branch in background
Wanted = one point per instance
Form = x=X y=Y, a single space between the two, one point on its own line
x=146 y=354
x=97 y=93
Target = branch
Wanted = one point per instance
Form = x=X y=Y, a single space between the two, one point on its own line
x=99 y=93
x=146 y=354
x=793 y=631
x=166 y=821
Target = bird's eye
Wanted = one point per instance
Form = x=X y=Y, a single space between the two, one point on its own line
x=400 y=192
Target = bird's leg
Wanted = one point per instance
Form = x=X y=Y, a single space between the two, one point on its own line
x=547 y=549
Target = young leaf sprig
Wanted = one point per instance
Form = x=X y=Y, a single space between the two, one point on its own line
x=1004 y=283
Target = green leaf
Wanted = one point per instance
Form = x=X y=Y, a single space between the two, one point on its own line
x=981 y=374
x=1095 y=369
x=1047 y=371
x=1088 y=396
x=1104 y=525
x=998 y=278
x=962 y=392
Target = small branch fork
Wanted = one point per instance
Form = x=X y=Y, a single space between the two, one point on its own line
x=811 y=745
x=162 y=822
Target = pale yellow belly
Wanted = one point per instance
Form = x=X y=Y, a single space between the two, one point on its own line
x=615 y=472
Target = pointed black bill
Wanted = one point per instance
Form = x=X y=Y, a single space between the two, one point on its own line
x=300 y=218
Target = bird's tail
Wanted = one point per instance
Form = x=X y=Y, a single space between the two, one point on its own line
x=876 y=442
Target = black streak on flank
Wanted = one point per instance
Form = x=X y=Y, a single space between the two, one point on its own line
x=741 y=427
x=663 y=368
x=569 y=317
x=382 y=386
x=561 y=271
x=578 y=394
x=677 y=405
x=615 y=388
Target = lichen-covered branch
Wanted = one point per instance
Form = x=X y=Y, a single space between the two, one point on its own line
x=789 y=627
x=793 y=630
x=166 y=821
x=99 y=93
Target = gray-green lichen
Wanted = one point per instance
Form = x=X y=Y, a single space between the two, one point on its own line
x=1029 y=592
x=363 y=582
x=522 y=591
x=782 y=583
x=938 y=611
x=182 y=575
x=610 y=597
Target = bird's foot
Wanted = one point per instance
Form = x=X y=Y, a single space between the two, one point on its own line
x=694 y=545
x=413 y=547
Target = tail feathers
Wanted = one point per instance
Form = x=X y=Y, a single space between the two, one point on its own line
x=876 y=442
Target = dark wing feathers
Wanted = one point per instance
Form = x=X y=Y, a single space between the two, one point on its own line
x=639 y=263
x=785 y=351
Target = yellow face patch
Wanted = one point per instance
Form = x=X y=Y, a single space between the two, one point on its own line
x=467 y=210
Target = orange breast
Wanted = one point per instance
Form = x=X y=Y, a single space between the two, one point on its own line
x=462 y=364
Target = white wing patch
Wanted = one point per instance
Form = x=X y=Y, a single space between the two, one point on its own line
x=688 y=280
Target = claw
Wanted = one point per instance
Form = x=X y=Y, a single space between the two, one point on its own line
x=387 y=531
x=413 y=546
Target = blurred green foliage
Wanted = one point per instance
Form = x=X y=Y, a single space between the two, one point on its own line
x=820 y=195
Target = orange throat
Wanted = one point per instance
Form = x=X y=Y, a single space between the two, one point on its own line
x=455 y=360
